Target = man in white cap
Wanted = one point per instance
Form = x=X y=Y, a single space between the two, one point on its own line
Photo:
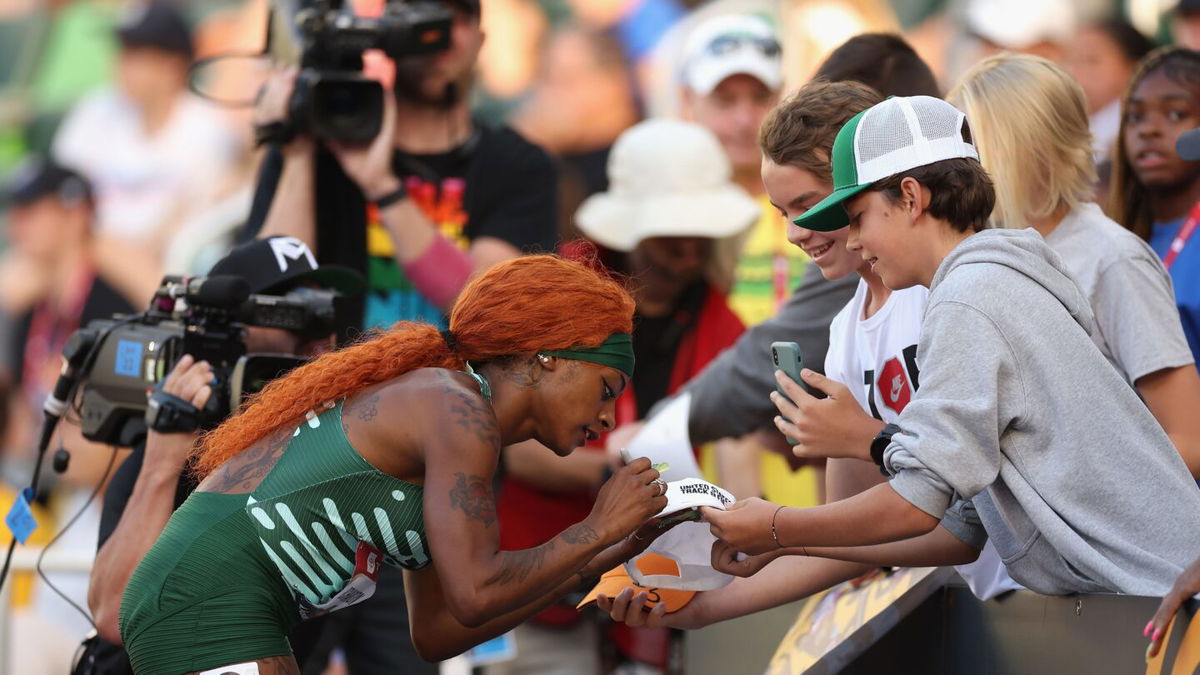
x=731 y=78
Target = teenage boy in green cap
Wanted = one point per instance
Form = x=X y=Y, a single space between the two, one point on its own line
x=1015 y=406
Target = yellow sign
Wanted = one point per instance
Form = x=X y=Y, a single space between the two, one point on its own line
x=832 y=618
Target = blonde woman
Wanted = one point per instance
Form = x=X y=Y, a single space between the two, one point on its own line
x=1031 y=128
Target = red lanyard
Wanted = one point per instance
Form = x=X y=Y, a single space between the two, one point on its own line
x=49 y=329
x=1181 y=239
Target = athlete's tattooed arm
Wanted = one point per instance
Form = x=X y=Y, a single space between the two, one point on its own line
x=460 y=451
x=438 y=635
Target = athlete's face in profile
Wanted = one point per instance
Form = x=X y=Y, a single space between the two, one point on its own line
x=577 y=401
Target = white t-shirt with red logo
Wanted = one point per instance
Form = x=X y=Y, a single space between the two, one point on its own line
x=876 y=357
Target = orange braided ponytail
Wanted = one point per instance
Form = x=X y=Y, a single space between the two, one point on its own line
x=520 y=306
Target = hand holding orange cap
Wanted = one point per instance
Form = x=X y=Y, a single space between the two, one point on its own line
x=617 y=579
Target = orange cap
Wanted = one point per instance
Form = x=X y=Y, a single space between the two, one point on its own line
x=617 y=579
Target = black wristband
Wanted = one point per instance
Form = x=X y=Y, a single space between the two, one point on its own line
x=391 y=197
x=169 y=414
x=881 y=442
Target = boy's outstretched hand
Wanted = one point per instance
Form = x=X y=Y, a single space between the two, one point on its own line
x=745 y=526
x=729 y=560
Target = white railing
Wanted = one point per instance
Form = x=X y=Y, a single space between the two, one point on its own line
x=24 y=560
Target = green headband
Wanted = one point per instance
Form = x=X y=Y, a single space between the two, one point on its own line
x=615 y=352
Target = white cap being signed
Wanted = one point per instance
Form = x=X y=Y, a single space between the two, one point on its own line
x=688 y=544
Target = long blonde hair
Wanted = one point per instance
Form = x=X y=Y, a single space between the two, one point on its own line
x=1029 y=122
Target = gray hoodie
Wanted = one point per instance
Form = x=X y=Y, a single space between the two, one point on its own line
x=1065 y=469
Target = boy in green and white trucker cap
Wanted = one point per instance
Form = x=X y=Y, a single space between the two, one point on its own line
x=886 y=139
x=1015 y=399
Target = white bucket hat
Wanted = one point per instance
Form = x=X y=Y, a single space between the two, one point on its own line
x=667 y=178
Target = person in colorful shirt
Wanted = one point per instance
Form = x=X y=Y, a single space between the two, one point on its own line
x=311 y=488
x=436 y=198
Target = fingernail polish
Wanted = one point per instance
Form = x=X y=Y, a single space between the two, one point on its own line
x=1157 y=634
x=1149 y=627
x=1148 y=648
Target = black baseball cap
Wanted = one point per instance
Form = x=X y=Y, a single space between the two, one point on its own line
x=39 y=177
x=274 y=264
x=156 y=23
x=1188 y=145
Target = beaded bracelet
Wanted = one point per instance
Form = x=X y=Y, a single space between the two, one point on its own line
x=774 y=534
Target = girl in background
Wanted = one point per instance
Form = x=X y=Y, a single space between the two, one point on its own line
x=1154 y=193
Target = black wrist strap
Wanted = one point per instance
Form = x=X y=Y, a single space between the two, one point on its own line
x=392 y=197
x=168 y=414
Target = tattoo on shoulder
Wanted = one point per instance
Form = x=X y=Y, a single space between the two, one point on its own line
x=579 y=533
x=473 y=415
x=473 y=496
x=363 y=408
x=244 y=472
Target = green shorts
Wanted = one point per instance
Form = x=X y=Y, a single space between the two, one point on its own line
x=203 y=597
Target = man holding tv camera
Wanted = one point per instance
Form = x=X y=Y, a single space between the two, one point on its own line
x=400 y=183
x=289 y=289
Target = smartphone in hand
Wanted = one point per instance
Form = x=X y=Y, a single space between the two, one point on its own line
x=786 y=357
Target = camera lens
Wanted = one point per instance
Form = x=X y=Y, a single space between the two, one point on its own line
x=338 y=104
x=348 y=108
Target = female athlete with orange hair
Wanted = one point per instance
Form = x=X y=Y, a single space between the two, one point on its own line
x=385 y=451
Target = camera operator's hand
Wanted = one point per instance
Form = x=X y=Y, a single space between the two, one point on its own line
x=191 y=381
x=271 y=107
x=370 y=166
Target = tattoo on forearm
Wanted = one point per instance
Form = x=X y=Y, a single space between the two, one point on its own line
x=473 y=496
x=520 y=564
x=579 y=534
